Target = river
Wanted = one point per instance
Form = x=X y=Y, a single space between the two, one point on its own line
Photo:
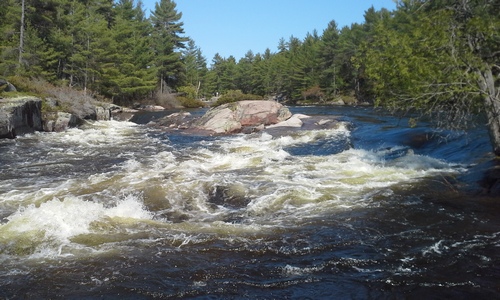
x=368 y=210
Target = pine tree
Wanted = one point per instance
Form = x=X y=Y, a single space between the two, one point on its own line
x=194 y=63
x=167 y=31
x=129 y=74
x=228 y=74
x=10 y=22
x=280 y=72
x=329 y=58
x=87 y=46
x=311 y=61
x=244 y=73
x=263 y=82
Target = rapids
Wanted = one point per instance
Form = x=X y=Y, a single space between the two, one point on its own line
x=371 y=209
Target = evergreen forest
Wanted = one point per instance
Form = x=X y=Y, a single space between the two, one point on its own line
x=438 y=57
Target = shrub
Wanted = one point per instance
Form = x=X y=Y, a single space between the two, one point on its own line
x=167 y=100
x=236 y=95
x=22 y=84
x=187 y=96
x=314 y=93
x=190 y=103
x=188 y=91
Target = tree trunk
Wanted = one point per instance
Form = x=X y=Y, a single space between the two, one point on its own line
x=198 y=89
x=492 y=106
x=21 y=34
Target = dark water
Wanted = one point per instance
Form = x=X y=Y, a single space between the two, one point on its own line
x=369 y=209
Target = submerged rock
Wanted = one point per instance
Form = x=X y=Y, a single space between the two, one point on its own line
x=491 y=181
x=233 y=117
x=19 y=116
x=232 y=196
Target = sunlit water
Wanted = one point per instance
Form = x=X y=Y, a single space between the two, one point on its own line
x=368 y=209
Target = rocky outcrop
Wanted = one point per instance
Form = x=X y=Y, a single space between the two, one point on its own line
x=99 y=113
x=233 y=117
x=24 y=115
x=56 y=120
x=59 y=121
x=19 y=116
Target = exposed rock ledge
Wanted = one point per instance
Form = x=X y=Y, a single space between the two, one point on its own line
x=19 y=116
x=24 y=115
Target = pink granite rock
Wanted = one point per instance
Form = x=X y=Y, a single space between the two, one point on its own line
x=232 y=117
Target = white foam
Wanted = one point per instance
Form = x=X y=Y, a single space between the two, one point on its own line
x=130 y=207
x=289 y=270
x=93 y=135
x=436 y=248
x=59 y=220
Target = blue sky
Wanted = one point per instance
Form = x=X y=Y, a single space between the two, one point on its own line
x=232 y=27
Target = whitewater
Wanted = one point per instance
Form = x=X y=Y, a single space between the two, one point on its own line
x=367 y=209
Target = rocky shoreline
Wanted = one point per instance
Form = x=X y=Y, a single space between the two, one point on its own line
x=56 y=113
x=22 y=115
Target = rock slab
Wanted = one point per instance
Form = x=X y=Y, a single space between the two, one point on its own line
x=20 y=116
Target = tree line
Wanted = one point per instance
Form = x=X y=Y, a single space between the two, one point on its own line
x=112 y=49
x=438 y=57
x=106 y=47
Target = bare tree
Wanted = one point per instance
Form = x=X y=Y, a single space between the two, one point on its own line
x=21 y=35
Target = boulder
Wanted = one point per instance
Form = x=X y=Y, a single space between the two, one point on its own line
x=294 y=121
x=180 y=120
x=59 y=121
x=339 y=101
x=9 y=87
x=19 y=116
x=102 y=113
x=95 y=112
x=254 y=113
x=233 y=117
